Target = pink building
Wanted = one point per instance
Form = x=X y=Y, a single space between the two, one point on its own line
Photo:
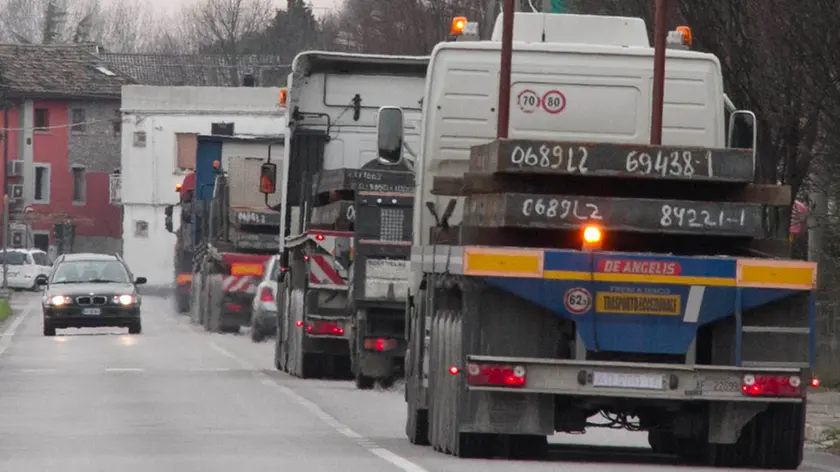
x=61 y=142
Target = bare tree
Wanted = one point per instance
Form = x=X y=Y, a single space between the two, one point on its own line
x=222 y=25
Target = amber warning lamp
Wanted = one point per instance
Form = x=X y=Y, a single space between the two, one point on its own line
x=177 y=187
x=458 y=25
x=268 y=178
x=283 y=93
x=592 y=238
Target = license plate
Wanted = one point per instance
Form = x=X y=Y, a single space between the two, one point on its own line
x=631 y=381
x=91 y=311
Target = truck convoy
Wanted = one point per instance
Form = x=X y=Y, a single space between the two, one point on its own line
x=348 y=210
x=228 y=229
x=578 y=270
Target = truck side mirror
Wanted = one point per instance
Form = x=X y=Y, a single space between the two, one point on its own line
x=743 y=132
x=268 y=178
x=389 y=134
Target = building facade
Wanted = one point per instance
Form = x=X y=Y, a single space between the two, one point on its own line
x=159 y=140
x=61 y=133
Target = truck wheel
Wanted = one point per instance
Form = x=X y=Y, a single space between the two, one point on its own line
x=775 y=438
x=256 y=333
x=363 y=382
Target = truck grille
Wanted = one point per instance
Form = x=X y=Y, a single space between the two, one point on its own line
x=98 y=300
x=391 y=224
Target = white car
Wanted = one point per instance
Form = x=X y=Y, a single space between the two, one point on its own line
x=24 y=266
x=264 y=306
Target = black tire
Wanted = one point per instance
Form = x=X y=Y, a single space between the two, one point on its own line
x=363 y=382
x=257 y=334
x=49 y=330
x=387 y=382
x=135 y=328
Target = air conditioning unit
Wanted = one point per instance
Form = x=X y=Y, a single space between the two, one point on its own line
x=16 y=192
x=15 y=168
x=18 y=238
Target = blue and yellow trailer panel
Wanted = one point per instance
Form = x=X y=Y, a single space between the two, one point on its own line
x=638 y=302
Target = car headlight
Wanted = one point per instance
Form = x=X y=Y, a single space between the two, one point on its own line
x=124 y=299
x=59 y=300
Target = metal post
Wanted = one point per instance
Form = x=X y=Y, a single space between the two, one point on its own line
x=5 y=238
x=504 y=69
x=546 y=6
x=659 y=36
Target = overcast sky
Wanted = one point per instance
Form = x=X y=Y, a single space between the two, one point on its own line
x=320 y=6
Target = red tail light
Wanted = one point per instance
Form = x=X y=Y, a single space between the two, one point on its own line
x=380 y=344
x=324 y=328
x=266 y=295
x=232 y=307
x=493 y=375
x=771 y=385
x=815 y=382
x=319 y=237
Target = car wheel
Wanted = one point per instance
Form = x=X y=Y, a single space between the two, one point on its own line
x=135 y=328
x=257 y=334
x=49 y=330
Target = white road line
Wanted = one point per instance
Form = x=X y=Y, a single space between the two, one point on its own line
x=210 y=369
x=400 y=462
x=123 y=369
x=820 y=467
x=9 y=332
x=38 y=371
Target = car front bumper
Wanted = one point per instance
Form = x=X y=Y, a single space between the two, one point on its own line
x=72 y=317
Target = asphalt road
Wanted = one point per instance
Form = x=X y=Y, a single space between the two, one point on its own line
x=178 y=399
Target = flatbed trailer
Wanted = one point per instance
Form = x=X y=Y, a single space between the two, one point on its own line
x=650 y=284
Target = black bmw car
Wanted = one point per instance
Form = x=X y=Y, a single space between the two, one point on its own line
x=89 y=291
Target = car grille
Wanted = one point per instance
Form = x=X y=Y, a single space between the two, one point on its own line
x=98 y=300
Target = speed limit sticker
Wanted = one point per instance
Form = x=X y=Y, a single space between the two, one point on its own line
x=528 y=101
x=553 y=102
x=577 y=300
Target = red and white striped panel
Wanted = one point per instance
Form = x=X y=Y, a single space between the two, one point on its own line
x=240 y=283
x=321 y=271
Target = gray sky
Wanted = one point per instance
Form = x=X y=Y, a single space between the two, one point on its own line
x=320 y=6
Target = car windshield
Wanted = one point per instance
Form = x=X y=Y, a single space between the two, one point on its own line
x=13 y=258
x=90 y=272
x=41 y=258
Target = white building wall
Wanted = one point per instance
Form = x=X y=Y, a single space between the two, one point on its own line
x=150 y=173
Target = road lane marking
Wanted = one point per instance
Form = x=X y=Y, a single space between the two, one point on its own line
x=123 y=369
x=10 y=331
x=819 y=467
x=366 y=443
x=210 y=369
x=38 y=371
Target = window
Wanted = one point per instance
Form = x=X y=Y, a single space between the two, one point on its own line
x=42 y=118
x=42 y=241
x=79 y=184
x=139 y=139
x=187 y=144
x=42 y=183
x=78 y=117
x=41 y=258
x=13 y=258
x=117 y=127
x=141 y=229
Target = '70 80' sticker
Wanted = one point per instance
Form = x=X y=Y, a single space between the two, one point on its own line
x=577 y=300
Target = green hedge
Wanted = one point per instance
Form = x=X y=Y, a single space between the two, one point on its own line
x=5 y=309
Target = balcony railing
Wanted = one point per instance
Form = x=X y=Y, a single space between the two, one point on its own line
x=115 y=189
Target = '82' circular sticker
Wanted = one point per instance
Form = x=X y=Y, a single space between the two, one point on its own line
x=577 y=300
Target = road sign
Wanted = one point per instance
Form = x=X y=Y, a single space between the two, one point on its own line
x=528 y=101
x=577 y=300
x=553 y=102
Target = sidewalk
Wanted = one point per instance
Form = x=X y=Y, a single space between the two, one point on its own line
x=823 y=418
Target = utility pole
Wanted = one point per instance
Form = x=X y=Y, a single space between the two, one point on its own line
x=659 y=40
x=816 y=221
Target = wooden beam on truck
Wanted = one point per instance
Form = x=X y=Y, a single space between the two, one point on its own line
x=519 y=210
x=254 y=216
x=477 y=184
x=335 y=215
x=373 y=180
x=641 y=161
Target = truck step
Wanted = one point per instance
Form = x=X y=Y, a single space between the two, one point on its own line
x=775 y=330
x=788 y=365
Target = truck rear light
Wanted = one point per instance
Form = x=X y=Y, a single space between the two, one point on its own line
x=494 y=375
x=380 y=344
x=815 y=382
x=771 y=385
x=233 y=307
x=324 y=328
x=266 y=295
